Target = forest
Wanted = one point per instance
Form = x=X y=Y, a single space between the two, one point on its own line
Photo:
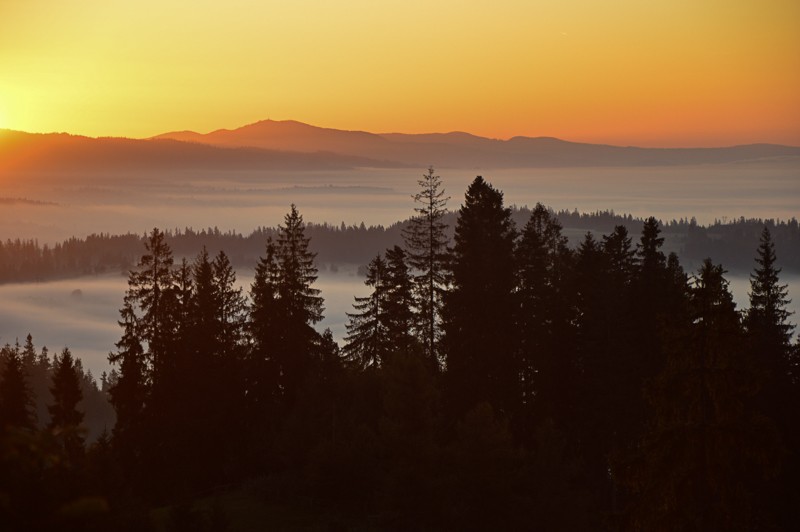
x=496 y=377
x=729 y=242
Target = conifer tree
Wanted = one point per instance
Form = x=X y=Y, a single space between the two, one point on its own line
x=399 y=299
x=263 y=332
x=367 y=340
x=231 y=308
x=707 y=449
x=151 y=293
x=64 y=414
x=67 y=393
x=479 y=310
x=548 y=365
x=299 y=305
x=621 y=257
x=16 y=402
x=769 y=338
x=766 y=319
x=426 y=242
x=130 y=391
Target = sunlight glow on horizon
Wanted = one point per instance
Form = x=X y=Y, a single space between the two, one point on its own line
x=661 y=73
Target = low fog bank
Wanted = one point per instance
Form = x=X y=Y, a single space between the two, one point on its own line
x=242 y=201
x=82 y=313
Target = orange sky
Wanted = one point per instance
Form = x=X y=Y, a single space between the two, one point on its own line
x=651 y=73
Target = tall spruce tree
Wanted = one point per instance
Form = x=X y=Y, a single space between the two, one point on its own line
x=65 y=417
x=426 y=242
x=299 y=305
x=547 y=357
x=66 y=391
x=399 y=300
x=231 y=309
x=769 y=337
x=707 y=450
x=145 y=396
x=767 y=318
x=16 y=403
x=479 y=310
x=367 y=340
x=263 y=372
x=129 y=393
x=152 y=296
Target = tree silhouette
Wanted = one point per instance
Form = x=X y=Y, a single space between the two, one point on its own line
x=479 y=310
x=426 y=243
x=66 y=390
x=64 y=414
x=367 y=340
x=299 y=305
x=769 y=335
x=15 y=395
x=547 y=352
x=707 y=449
x=399 y=300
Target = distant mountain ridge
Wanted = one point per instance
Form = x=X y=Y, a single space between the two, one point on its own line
x=290 y=145
x=459 y=149
x=55 y=152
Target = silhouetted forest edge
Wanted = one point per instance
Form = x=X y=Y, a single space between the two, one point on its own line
x=729 y=243
x=496 y=377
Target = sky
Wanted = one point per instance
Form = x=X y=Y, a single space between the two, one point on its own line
x=628 y=72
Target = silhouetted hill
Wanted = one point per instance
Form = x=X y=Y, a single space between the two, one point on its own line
x=290 y=145
x=458 y=149
x=63 y=152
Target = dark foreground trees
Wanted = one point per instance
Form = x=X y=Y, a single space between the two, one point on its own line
x=581 y=389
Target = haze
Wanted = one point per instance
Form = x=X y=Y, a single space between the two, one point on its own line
x=658 y=73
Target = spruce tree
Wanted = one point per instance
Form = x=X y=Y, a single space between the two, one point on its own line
x=367 y=342
x=479 y=310
x=262 y=376
x=299 y=305
x=769 y=340
x=399 y=300
x=426 y=242
x=66 y=390
x=152 y=296
x=65 y=417
x=16 y=403
x=707 y=450
x=547 y=353
x=129 y=392
x=231 y=308
x=767 y=317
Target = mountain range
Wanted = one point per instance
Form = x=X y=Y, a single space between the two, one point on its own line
x=286 y=145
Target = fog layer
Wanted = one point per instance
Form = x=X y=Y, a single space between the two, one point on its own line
x=82 y=313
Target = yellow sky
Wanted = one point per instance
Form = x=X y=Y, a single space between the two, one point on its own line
x=642 y=72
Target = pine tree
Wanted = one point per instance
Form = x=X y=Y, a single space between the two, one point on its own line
x=769 y=338
x=299 y=305
x=426 y=242
x=707 y=449
x=231 y=308
x=130 y=391
x=367 y=340
x=399 y=300
x=766 y=319
x=479 y=310
x=16 y=402
x=151 y=293
x=621 y=257
x=547 y=357
x=64 y=414
x=66 y=390
x=262 y=327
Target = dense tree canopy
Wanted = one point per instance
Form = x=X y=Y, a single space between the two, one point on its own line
x=513 y=382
